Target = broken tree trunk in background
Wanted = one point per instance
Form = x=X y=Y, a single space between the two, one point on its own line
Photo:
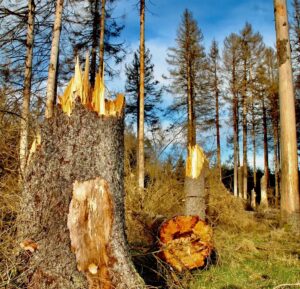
x=264 y=192
x=185 y=242
x=75 y=180
x=194 y=185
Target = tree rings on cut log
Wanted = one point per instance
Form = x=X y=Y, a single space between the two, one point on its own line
x=185 y=242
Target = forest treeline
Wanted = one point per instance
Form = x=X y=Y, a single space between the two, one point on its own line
x=236 y=87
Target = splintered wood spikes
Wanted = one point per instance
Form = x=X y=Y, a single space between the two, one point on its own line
x=195 y=161
x=185 y=242
x=92 y=98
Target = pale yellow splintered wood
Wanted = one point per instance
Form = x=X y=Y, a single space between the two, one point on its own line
x=195 y=161
x=66 y=99
x=98 y=94
x=77 y=84
x=36 y=142
x=85 y=81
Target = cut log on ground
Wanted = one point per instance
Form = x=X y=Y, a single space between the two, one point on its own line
x=74 y=196
x=194 y=184
x=185 y=242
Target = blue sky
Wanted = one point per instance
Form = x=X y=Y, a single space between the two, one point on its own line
x=216 y=18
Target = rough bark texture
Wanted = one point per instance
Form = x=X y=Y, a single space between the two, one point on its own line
x=101 y=45
x=185 y=242
x=24 y=125
x=140 y=150
x=96 y=23
x=290 y=203
x=81 y=147
x=194 y=184
x=51 y=85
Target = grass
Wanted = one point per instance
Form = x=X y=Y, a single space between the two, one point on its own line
x=262 y=259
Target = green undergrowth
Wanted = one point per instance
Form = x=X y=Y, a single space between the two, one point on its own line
x=262 y=258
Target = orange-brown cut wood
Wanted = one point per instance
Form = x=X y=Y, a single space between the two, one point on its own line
x=185 y=242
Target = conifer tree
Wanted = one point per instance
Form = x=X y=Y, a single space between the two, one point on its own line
x=214 y=83
x=187 y=62
x=152 y=90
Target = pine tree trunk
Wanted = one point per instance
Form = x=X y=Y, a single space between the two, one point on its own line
x=24 y=125
x=266 y=153
x=276 y=163
x=140 y=151
x=254 y=148
x=75 y=152
x=245 y=159
x=235 y=135
x=191 y=141
x=217 y=122
x=290 y=204
x=101 y=45
x=51 y=85
x=96 y=23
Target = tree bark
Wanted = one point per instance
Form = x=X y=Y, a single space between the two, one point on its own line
x=96 y=23
x=24 y=125
x=266 y=153
x=276 y=162
x=51 y=85
x=253 y=135
x=194 y=185
x=290 y=204
x=101 y=45
x=216 y=89
x=140 y=151
x=235 y=132
x=245 y=112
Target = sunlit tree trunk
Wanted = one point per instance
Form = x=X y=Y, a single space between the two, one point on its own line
x=140 y=151
x=24 y=125
x=276 y=164
x=290 y=207
x=266 y=154
x=245 y=112
x=235 y=130
x=51 y=85
x=253 y=136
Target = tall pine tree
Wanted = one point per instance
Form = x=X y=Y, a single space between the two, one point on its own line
x=187 y=62
x=152 y=90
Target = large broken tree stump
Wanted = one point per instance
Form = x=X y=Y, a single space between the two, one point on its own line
x=185 y=242
x=194 y=184
x=74 y=195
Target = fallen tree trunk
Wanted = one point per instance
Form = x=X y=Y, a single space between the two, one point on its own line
x=74 y=196
x=185 y=242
